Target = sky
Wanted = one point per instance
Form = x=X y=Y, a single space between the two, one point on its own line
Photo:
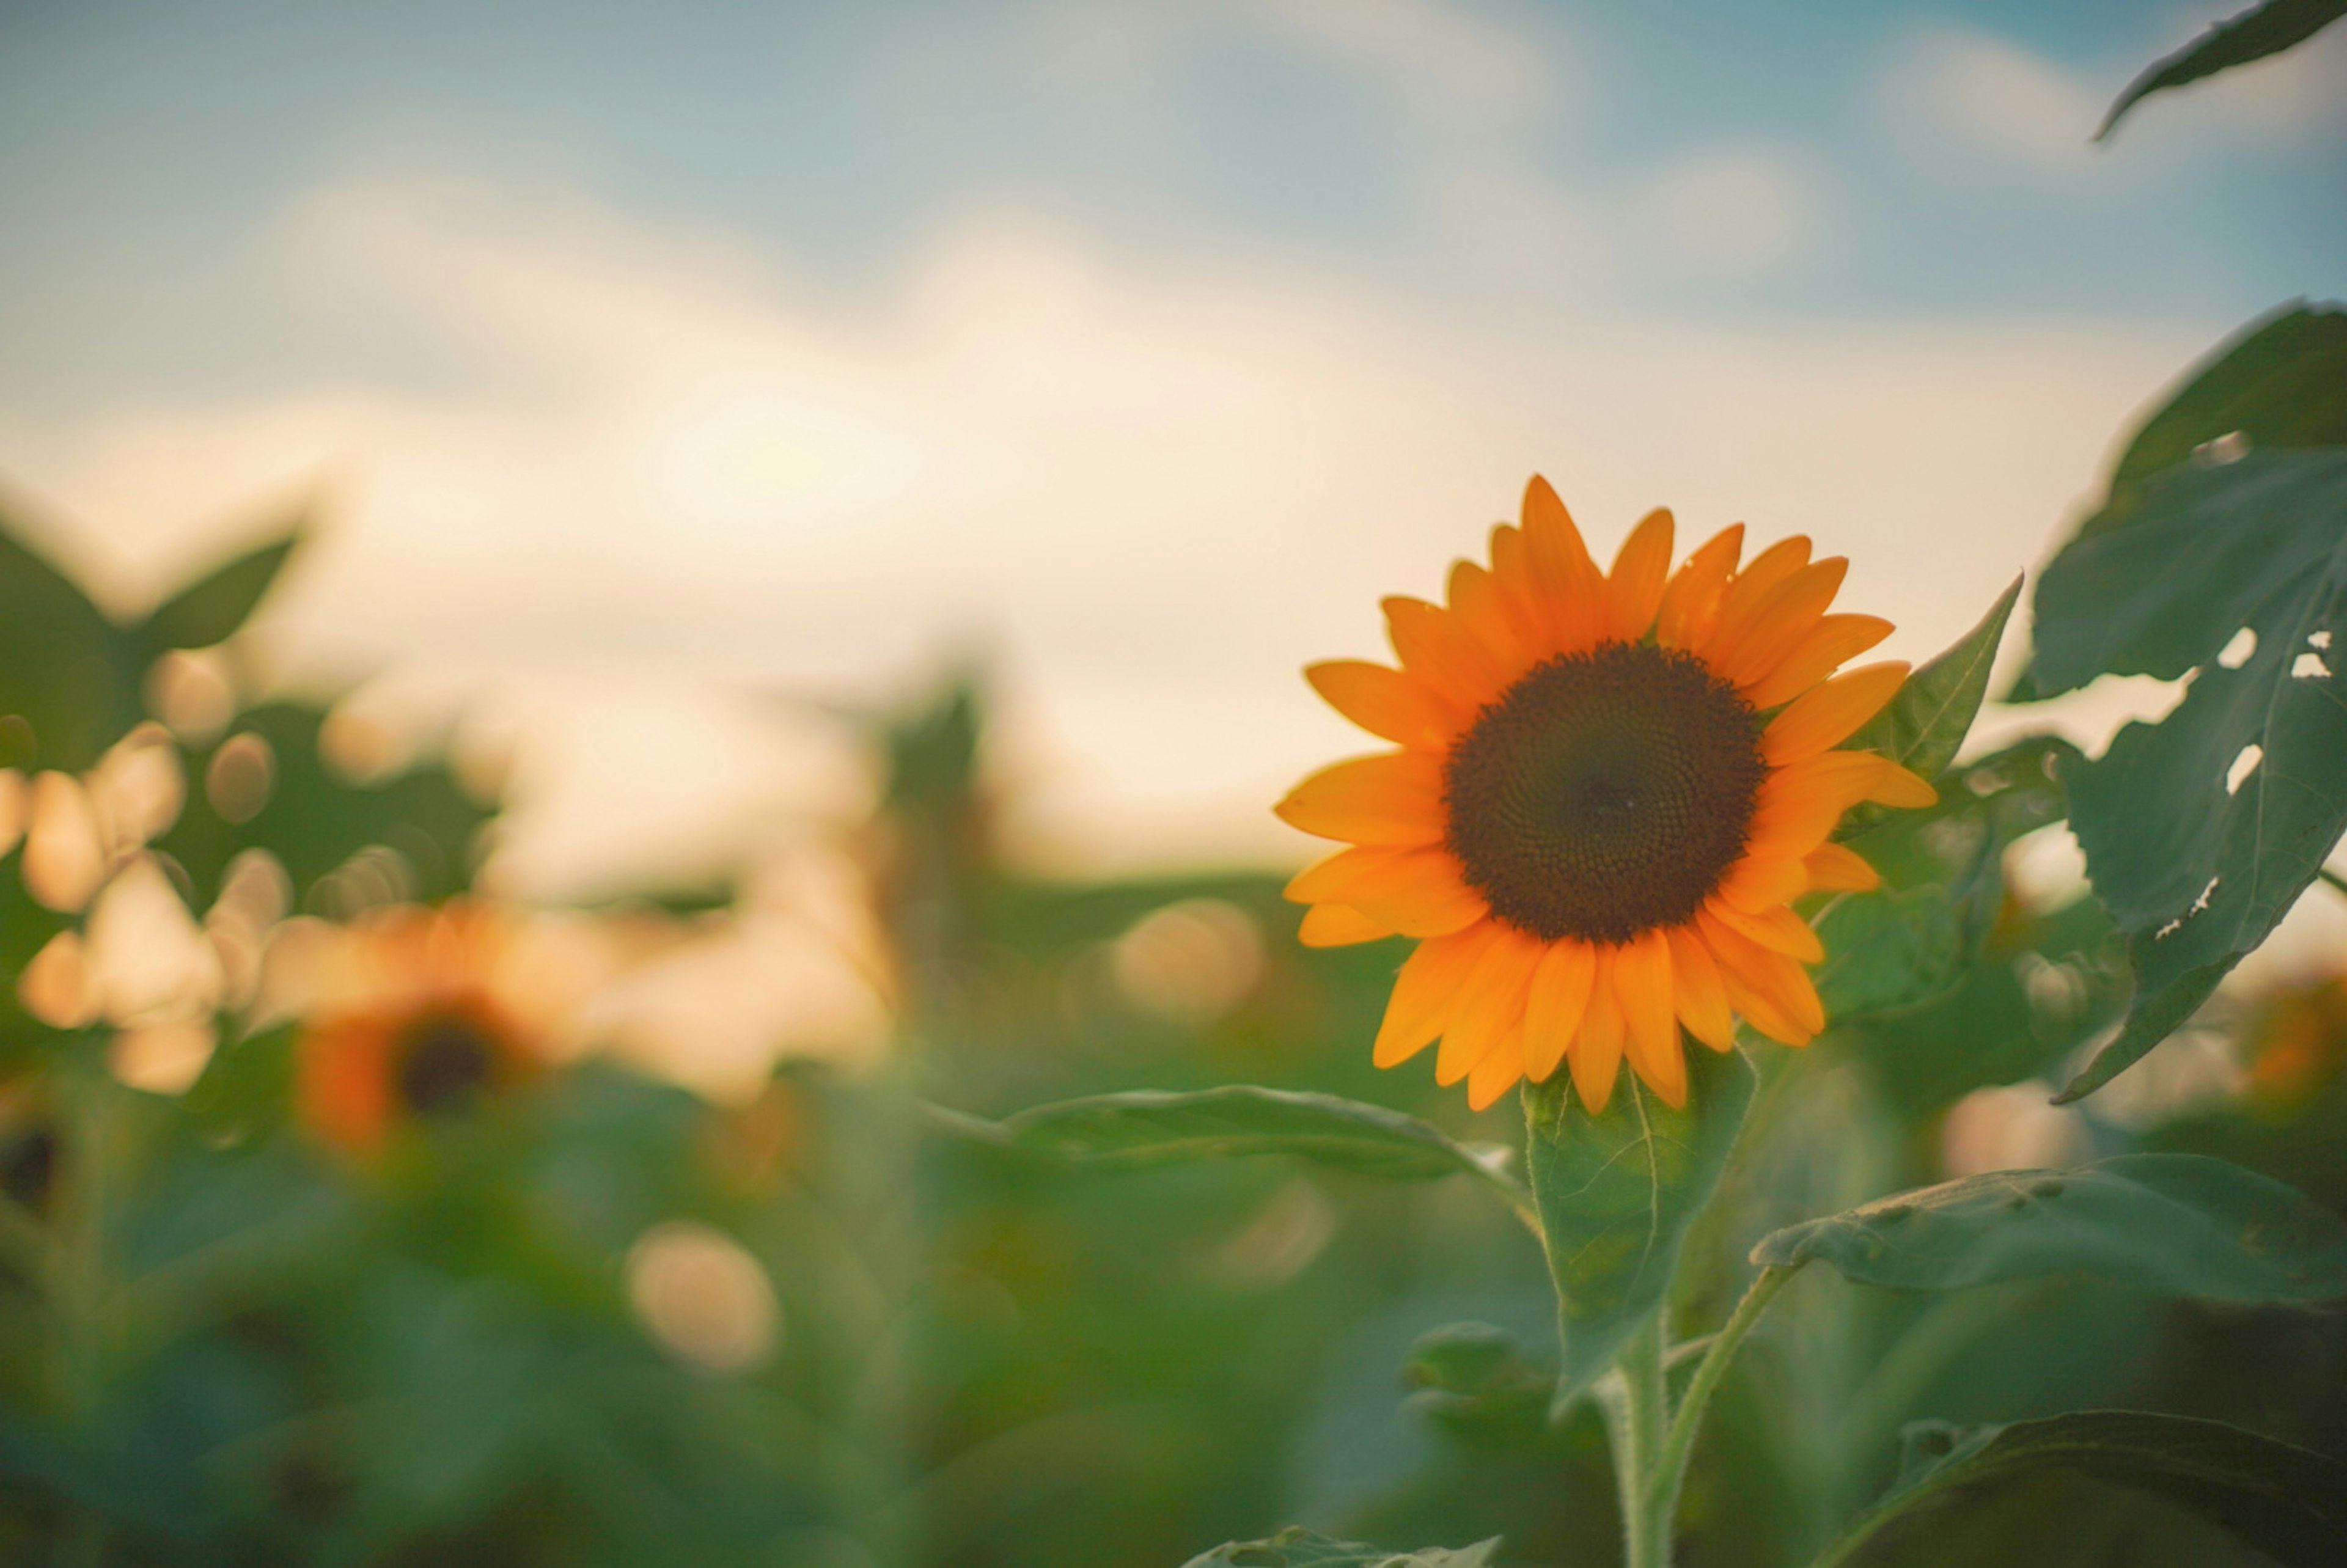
x=662 y=376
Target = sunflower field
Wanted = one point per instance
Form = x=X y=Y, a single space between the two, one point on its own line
x=1771 y=1170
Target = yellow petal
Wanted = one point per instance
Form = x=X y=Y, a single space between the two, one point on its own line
x=1691 y=601
x=1597 y=1053
x=1760 y=882
x=1888 y=784
x=1499 y=1070
x=1640 y=569
x=1394 y=798
x=1426 y=990
x=1490 y=1004
x=1835 y=869
x=1478 y=604
x=1333 y=926
x=1828 y=715
x=1777 y=929
x=1702 y=1001
x=1409 y=891
x=1437 y=647
x=1573 y=593
x=1749 y=590
x=1786 y=616
x=1553 y=1010
x=1770 y=989
x=1518 y=585
x=1820 y=652
x=1642 y=981
x=1387 y=703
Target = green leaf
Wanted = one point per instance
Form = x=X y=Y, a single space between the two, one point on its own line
x=1299 y=1548
x=64 y=669
x=1618 y=1193
x=1887 y=951
x=210 y=609
x=1924 y=726
x=1149 y=1127
x=2227 y=512
x=2288 y=1501
x=1913 y=940
x=2180 y=1224
x=2275 y=385
x=2196 y=861
x=2269 y=29
x=313 y=820
x=247 y=1087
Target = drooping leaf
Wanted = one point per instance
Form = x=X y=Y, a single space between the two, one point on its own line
x=1151 y=1127
x=2228 y=515
x=2180 y=1224
x=1299 y=1548
x=210 y=609
x=2288 y=1501
x=1616 y=1194
x=2266 y=29
x=1924 y=726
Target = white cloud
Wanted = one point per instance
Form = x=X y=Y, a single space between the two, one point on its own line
x=1457 y=70
x=1734 y=209
x=666 y=469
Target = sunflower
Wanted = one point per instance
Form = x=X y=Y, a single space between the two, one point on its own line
x=415 y=1018
x=1610 y=787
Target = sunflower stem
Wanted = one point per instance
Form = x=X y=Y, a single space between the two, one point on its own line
x=1636 y=1415
x=1678 y=1443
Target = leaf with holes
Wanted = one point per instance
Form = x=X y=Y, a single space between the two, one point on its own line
x=2287 y=1501
x=1300 y=1548
x=1148 y=1127
x=2266 y=29
x=2228 y=515
x=1618 y=1192
x=2179 y=1223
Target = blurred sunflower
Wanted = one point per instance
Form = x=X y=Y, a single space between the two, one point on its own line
x=413 y=1013
x=1610 y=788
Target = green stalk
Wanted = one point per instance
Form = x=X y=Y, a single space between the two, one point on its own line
x=1637 y=1416
x=1678 y=1443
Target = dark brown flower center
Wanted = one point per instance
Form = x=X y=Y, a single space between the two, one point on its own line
x=1604 y=793
x=444 y=1062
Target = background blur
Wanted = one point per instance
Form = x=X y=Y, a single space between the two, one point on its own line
x=810 y=517
x=647 y=363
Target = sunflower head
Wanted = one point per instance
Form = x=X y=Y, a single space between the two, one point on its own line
x=414 y=1028
x=1606 y=791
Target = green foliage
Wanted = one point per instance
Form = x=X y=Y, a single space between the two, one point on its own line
x=2175 y=1223
x=1921 y=935
x=1924 y=726
x=1300 y=1548
x=210 y=609
x=76 y=676
x=1147 y=1127
x=2283 y=1500
x=314 y=821
x=2266 y=29
x=2196 y=859
x=1618 y=1193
